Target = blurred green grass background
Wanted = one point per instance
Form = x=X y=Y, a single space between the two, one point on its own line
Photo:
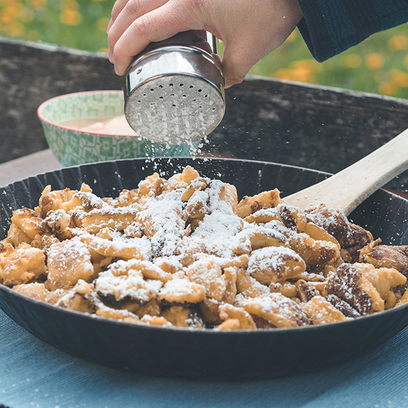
x=378 y=65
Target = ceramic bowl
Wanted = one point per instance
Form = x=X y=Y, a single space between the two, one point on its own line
x=73 y=146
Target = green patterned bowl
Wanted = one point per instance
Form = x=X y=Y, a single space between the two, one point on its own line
x=73 y=146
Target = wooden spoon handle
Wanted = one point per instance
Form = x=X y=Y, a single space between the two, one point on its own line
x=350 y=187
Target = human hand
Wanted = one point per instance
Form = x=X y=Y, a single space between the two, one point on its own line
x=249 y=29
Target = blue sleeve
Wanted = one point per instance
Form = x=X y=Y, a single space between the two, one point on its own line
x=329 y=27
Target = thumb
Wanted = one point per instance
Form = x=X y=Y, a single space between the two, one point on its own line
x=236 y=63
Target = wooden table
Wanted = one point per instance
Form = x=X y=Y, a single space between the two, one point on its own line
x=27 y=166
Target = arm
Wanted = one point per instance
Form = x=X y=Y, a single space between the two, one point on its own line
x=329 y=27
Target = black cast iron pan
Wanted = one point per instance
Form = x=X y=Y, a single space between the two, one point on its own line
x=203 y=353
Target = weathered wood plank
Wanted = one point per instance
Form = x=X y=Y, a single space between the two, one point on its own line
x=293 y=123
x=310 y=126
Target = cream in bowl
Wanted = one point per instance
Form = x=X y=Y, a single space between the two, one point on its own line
x=113 y=126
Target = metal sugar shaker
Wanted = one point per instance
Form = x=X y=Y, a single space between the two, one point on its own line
x=174 y=90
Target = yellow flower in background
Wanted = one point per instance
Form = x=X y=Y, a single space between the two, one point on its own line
x=70 y=14
x=398 y=77
x=398 y=42
x=70 y=17
x=37 y=4
x=283 y=74
x=308 y=64
x=352 y=61
x=302 y=75
x=9 y=13
x=374 y=61
x=388 y=88
x=302 y=71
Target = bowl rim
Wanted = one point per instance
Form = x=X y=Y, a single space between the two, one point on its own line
x=72 y=129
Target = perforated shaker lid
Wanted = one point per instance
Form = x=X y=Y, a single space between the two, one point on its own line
x=174 y=95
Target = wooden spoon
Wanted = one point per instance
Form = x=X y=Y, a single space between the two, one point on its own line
x=351 y=186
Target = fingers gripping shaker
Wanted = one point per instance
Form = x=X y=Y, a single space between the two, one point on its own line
x=174 y=91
